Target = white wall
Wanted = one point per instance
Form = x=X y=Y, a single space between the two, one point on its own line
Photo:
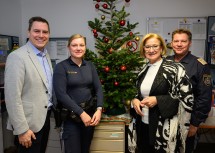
x=67 y=17
x=10 y=17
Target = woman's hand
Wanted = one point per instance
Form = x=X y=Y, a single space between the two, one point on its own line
x=150 y=102
x=136 y=105
x=96 y=118
x=86 y=119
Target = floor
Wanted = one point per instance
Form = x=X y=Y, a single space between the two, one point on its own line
x=205 y=148
x=206 y=141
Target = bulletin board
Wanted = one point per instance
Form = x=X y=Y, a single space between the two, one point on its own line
x=57 y=49
x=197 y=25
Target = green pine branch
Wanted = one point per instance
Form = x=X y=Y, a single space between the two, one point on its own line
x=116 y=65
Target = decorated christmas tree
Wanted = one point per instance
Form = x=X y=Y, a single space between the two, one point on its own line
x=117 y=59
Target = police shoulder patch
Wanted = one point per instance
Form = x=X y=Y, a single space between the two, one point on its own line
x=202 y=61
x=207 y=79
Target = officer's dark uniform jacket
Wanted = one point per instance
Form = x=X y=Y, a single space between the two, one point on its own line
x=74 y=84
x=199 y=73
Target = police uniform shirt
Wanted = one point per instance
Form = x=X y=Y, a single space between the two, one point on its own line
x=73 y=84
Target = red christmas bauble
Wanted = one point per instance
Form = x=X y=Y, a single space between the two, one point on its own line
x=103 y=110
x=127 y=1
x=129 y=43
x=131 y=33
x=102 y=81
x=107 y=69
x=97 y=6
x=95 y=35
x=118 y=41
x=106 y=40
x=123 y=68
x=105 y=6
x=116 y=83
x=94 y=31
x=122 y=22
x=110 y=51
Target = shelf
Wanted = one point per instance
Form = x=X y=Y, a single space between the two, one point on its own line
x=2 y=64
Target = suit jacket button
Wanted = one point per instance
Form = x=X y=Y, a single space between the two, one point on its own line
x=47 y=92
x=45 y=106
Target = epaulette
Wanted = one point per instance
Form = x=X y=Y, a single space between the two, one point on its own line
x=202 y=61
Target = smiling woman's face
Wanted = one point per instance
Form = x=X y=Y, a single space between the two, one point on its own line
x=77 y=48
x=153 y=50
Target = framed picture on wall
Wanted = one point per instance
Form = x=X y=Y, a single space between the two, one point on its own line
x=211 y=49
x=210 y=52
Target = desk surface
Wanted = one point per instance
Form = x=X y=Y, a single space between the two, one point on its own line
x=207 y=126
x=210 y=122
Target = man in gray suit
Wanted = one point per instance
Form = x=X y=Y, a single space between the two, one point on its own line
x=28 y=89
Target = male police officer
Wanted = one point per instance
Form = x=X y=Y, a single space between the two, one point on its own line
x=199 y=73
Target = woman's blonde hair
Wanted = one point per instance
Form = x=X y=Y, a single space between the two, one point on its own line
x=149 y=36
x=75 y=36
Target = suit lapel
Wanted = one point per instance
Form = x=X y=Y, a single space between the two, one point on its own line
x=158 y=79
x=37 y=65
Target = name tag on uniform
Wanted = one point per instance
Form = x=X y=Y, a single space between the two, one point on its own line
x=72 y=72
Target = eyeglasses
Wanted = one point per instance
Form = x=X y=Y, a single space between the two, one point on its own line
x=154 y=47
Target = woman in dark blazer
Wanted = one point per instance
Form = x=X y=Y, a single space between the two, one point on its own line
x=164 y=101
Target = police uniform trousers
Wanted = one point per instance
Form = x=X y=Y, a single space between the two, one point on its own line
x=190 y=144
x=39 y=145
x=76 y=137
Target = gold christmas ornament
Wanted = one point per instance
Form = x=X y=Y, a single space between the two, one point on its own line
x=128 y=103
x=137 y=38
x=102 y=17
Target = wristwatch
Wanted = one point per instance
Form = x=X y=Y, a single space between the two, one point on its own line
x=99 y=108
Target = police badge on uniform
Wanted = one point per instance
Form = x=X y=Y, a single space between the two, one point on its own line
x=207 y=79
